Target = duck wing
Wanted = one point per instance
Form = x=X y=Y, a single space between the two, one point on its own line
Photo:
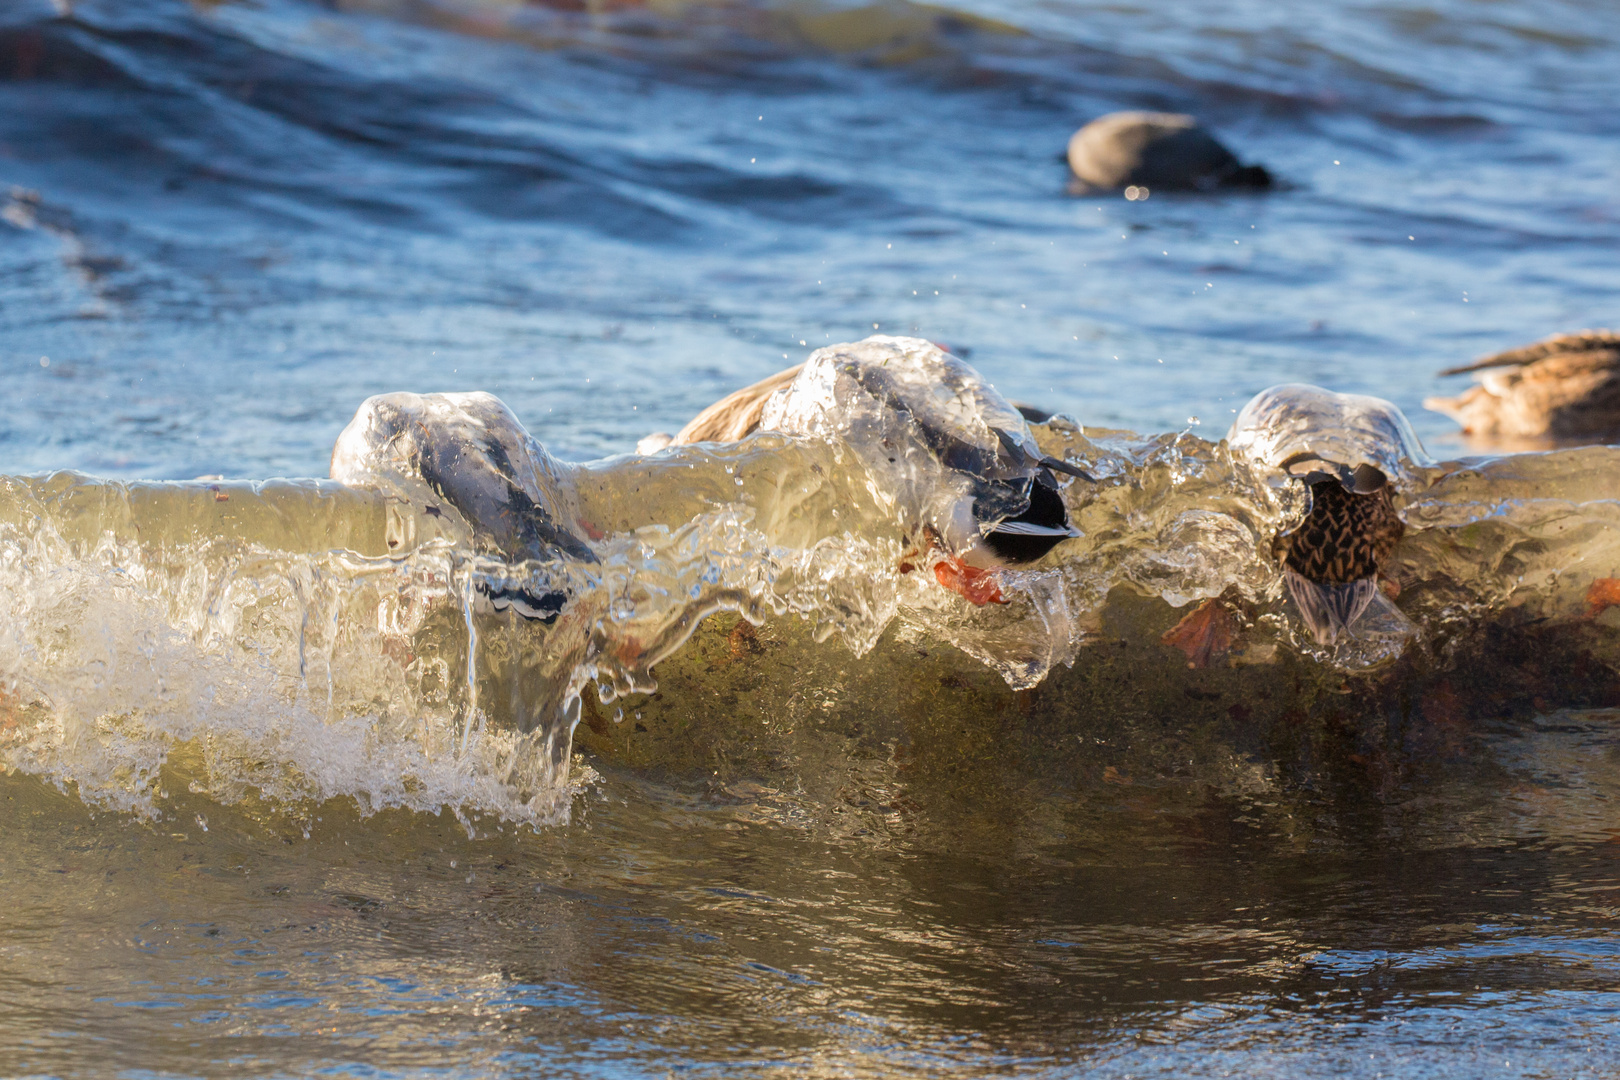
x=735 y=416
x=1582 y=341
x=1021 y=454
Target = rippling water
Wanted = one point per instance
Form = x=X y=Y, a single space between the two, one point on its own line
x=249 y=217
x=224 y=224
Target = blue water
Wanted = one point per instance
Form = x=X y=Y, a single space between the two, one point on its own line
x=251 y=216
x=224 y=224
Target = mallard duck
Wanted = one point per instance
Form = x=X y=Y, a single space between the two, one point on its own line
x=917 y=416
x=1564 y=388
x=1143 y=152
x=469 y=452
x=1331 y=559
x=1347 y=449
x=1350 y=452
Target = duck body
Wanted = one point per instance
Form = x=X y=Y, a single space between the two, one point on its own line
x=1159 y=152
x=1564 y=388
x=926 y=408
x=1331 y=559
x=955 y=459
x=1352 y=453
x=468 y=451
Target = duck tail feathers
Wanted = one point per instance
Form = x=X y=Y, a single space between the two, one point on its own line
x=1330 y=610
x=1029 y=528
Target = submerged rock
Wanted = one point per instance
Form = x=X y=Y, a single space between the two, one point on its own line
x=1151 y=151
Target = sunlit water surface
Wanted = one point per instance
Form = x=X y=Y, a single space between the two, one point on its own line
x=224 y=225
x=1123 y=932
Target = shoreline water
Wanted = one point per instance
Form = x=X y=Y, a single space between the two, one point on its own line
x=256 y=837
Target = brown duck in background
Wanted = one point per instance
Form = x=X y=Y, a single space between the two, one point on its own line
x=1331 y=559
x=1563 y=389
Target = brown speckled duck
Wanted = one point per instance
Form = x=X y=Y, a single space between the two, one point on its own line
x=1352 y=453
x=1331 y=559
x=1563 y=389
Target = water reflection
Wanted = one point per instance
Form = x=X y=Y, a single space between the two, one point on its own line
x=1131 y=931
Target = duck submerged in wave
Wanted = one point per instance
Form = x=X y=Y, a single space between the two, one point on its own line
x=1348 y=451
x=954 y=457
x=468 y=452
x=1331 y=560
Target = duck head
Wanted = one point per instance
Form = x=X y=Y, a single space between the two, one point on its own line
x=1300 y=432
x=953 y=457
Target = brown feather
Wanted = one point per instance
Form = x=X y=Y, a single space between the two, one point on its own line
x=736 y=415
x=1346 y=537
x=1567 y=387
x=1581 y=341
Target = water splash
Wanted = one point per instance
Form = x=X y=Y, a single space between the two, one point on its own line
x=303 y=640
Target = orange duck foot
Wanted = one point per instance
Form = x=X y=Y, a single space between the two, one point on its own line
x=979 y=587
x=1601 y=595
x=1204 y=635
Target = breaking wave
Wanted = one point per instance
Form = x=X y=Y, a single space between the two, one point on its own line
x=307 y=639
